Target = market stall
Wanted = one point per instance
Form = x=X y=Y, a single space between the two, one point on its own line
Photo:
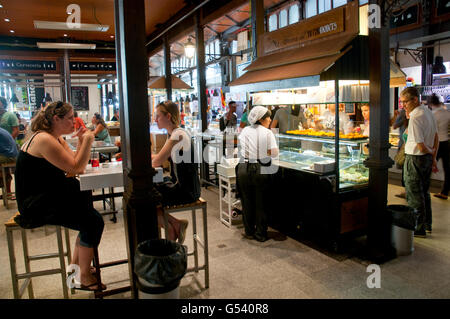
x=321 y=187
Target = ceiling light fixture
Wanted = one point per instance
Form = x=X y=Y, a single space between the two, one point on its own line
x=56 y=45
x=52 y=25
x=438 y=66
x=65 y=35
x=7 y=20
x=1 y=6
x=189 y=49
x=12 y=31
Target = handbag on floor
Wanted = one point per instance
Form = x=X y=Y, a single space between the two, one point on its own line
x=400 y=157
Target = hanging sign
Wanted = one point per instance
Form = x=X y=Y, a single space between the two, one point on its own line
x=93 y=66
x=25 y=66
x=325 y=24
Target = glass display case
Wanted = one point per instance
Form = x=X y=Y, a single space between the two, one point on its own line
x=317 y=155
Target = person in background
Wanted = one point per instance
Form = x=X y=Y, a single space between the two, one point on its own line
x=365 y=110
x=288 y=118
x=8 y=154
x=78 y=122
x=229 y=119
x=244 y=117
x=8 y=120
x=101 y=130
x=116 y=116
x=442 y=117
x=46 y=195
x=328 y=120
x=420 y=158
x=401 y=122
x=257 y=146
x=183 y=186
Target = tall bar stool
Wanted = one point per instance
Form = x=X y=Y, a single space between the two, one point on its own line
x=11 y=226
x=5 y=194
x=199 y=204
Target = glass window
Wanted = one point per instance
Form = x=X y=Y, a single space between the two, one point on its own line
x=310 y=8
x=273 y=20
x=217 y=48
x=293 y=14
x=338 y=3
x=324 y=5
x=361 y=2
x=283 y=18
x=207 y=53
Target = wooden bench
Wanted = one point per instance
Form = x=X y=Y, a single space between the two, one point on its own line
x=199 y=204
x=11 y=226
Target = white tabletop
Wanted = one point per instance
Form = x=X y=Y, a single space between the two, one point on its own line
x=108 y=175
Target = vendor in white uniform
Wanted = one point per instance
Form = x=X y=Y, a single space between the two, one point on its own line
x=257 y=148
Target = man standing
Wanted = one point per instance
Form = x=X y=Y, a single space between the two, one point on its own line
x=288 y=118
x=8 y=120
x=116 y=116
x=420 y=149
x=229 y=119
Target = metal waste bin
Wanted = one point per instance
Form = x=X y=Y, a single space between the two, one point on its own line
x=159 y=265
x=404 y=222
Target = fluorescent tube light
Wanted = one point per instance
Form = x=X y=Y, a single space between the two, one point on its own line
x=54 y=45
x=65 y=26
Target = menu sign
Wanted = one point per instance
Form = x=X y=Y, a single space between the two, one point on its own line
x=23 y=66
x=93 y=66
x=325 y=24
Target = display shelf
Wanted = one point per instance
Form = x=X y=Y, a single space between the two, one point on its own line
x=323 y=140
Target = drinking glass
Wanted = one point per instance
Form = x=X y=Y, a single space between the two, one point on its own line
x=95 y=159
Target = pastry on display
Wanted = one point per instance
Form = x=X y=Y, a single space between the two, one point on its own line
x=314 y=133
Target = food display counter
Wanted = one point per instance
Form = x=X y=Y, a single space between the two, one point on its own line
x=314 y=196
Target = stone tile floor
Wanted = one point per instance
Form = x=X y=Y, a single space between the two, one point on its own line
x=240 y=268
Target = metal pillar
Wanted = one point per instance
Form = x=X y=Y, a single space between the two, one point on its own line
x=257 y=12
x=140 y=217
x=378 y=237
x=167 y=68
x=67 y=84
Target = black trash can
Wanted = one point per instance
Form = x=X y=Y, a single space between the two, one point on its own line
x=404 y=223
x=159 y=265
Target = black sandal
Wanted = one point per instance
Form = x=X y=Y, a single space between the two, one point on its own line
x=88 y=287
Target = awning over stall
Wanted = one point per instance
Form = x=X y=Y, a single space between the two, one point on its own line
x=398 y=77
x=160 y=83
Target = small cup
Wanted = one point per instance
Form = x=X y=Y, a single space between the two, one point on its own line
x=95 y=159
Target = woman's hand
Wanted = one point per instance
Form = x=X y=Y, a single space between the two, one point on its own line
x=87 y=136
x=79 y=133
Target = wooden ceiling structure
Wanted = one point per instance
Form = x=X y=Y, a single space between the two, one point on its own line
x=219 y=17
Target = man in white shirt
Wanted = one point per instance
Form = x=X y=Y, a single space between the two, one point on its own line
x=420 y=150
x=442 y=117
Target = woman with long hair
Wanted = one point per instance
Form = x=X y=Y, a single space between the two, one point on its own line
x=46 y=191
x=101 y=130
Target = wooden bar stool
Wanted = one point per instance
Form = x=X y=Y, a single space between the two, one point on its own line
x=199 y=204
x=99 y=294
x=6 y=167
x=11 y=226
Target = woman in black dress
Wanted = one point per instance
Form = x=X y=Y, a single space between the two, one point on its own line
x=46 y=191
x=184 y=184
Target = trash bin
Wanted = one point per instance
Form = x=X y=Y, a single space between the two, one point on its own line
x=159 y=265
x=404 y=222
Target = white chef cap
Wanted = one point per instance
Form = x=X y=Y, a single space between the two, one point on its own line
x=256 y=114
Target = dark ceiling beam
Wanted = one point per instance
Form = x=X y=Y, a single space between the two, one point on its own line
x=212 y=10
x=207 y=26
x=231 y=19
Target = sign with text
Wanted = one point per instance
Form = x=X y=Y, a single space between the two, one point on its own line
x=325 y=24
x=24 y=66
x=93 y=66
